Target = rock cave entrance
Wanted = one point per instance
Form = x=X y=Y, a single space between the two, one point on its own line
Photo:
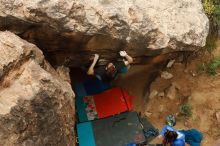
x=74 y=50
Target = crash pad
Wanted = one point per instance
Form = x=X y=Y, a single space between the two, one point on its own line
x=117 y=130
x=107 y=103
x=85 y=134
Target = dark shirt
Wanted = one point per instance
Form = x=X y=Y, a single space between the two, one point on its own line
x=101 y=74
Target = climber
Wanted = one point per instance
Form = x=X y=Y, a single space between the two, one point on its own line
x=110 y=71
x=174 y=138
x=170 y=135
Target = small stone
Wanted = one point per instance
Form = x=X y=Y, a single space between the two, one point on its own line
x=194 y=117
x=166 y=75
x=171 y=94
x=217 y=114
x=212 y=85
x=176 y=85
x=170 y=63
x=148 y=114
x=128 y=39
x=186 y=123
x=161 y=108
x=185 y=71
x=153 y=94
x=192 y=73
x=161 y=94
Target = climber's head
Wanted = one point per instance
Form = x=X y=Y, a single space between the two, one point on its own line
x=111 y=70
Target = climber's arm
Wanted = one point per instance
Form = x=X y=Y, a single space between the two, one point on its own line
x=91 y=68
x=128 y=60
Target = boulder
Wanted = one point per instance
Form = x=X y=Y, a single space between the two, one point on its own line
x=36 y=104
x=81 y=28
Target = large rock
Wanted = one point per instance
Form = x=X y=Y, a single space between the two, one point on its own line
x=36 y=104
x=105 y=26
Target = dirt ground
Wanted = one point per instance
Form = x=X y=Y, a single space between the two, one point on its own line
x=191 y=86
x=187 y=86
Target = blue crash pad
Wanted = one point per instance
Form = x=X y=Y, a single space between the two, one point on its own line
x=80 y=107
x=85 y=134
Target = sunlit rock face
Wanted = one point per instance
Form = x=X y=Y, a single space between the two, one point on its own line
x=36 y=104
x=72 y=30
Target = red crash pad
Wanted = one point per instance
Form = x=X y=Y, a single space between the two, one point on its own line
x=111 y=102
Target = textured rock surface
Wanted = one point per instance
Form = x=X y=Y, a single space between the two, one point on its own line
x=64 y=73
x=36 y=105
x=105 y=26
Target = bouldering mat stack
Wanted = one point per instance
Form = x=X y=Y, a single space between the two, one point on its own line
x=107 y=103
x=105 y=117
x=118 y=130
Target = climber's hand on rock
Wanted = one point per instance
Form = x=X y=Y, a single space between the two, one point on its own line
x=122 y=53
x=96 y=57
